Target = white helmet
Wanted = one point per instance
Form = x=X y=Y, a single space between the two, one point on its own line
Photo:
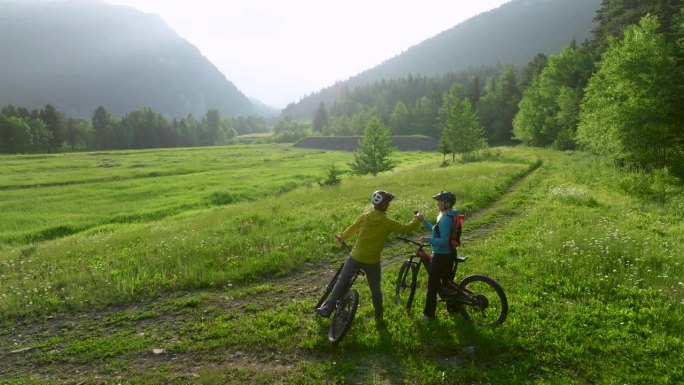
x=381 y=196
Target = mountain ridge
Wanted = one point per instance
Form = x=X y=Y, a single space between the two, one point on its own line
x=124 y=61
x=516 y=39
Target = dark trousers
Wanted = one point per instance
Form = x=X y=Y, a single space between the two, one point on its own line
x=440 y=273
x=373 y=274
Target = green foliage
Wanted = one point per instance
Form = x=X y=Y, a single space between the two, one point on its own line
x=532 y=70
x=372 y=155
x=614 y=17
x=462 y=132
x=23 y=135
x=288 y=130
x=423 y=116
x=408 y=104
x=631 y=100
x=138 y=129
x=15 y=135
x=399 y=119
x=332 y=177
x=550 y=105
x=102 y=129
x=498 y=105
x=212 y=125
x=354 y=124
x=54 y=122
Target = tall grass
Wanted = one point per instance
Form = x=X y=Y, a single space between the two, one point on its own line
x=216 y=247
x=50 y=196
x=590 y=258
x=594 y=273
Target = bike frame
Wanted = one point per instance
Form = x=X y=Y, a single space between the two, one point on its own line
x=345 y=306
x=425 y=258
x=459 y=297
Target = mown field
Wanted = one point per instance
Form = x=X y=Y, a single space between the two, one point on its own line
x=203 y=265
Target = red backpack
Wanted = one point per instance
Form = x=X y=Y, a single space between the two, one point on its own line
x=455 y=238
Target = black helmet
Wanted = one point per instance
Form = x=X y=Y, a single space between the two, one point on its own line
x=381 y=196
x=446 y=196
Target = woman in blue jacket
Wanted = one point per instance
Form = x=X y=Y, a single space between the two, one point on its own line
x=444 y=255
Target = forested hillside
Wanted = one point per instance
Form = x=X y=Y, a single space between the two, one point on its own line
x=618 y=93
x=511 y=34
x=77 y=55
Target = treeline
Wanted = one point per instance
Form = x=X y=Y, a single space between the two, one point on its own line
x=415 y=105
x=619 y=93
x=48 y=130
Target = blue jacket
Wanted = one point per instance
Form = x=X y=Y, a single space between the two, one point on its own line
x=439 y=239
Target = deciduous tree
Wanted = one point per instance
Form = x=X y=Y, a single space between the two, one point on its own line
x=543 y=109
x=53 y=122
x=462 y=131
x=399 y=119
x=102 y=128
x=630 y=102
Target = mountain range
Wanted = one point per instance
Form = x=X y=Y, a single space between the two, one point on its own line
x=513 y=33
x=79 y=54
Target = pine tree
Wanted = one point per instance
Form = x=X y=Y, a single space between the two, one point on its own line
x=499 y=105
x=320 y=118
x=373 y=152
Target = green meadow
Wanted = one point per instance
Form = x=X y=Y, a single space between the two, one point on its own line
x=50 y=196
x=203 y=266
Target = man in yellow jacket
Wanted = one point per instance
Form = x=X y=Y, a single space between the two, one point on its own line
x=373 y=227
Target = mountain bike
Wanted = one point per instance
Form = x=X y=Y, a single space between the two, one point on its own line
x=478 y=298
x=345 y=307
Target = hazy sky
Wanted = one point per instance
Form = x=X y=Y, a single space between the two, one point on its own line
x=279 y=51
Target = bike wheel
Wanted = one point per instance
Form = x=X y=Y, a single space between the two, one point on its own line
x=329 y=288
x=343 y=317
x=481 y=301
x=406 y=284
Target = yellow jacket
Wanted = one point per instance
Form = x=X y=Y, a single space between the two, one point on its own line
x=374 y=227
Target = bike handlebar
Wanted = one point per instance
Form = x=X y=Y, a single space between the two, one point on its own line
x=340 y=240
x=407 y=240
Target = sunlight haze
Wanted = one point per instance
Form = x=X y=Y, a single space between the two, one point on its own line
x=280 y=51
